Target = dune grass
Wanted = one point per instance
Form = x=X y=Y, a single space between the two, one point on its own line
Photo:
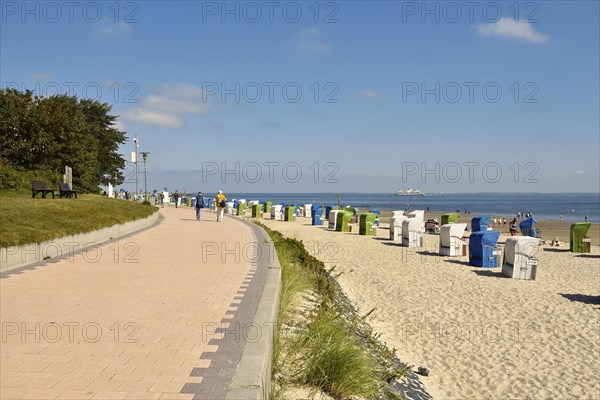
x=321 y=341
x=25 y=220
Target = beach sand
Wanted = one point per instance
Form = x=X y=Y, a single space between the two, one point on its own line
x=481 y=335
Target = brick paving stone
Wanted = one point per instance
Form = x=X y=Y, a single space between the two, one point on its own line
x=127 y=319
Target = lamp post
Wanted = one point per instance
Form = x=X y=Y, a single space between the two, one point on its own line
x=145 y=158
x=137 y=146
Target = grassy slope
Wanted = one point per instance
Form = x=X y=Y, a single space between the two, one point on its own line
x=330 y=348
x=26 y=220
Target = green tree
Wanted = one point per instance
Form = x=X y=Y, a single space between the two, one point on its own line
x=47 y=134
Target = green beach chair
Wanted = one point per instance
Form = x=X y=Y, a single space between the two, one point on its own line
x=579 y=242
x=343 y=219
x=188 y=201
x=450 y=218
x=257 y=210
x=289 y=212
x=268 y=205
x=241 y=209
x=366 y=224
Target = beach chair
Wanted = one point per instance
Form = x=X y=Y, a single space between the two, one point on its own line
x=366 y=223
x=412 y=232
x=450 y=218
x=276 y=212
x=267 y=207
x=307 y=210
x=579 y=242
x=257 y=210
x=519 y=261
x=418 y=214
x=479 y=224
x=289 y=212
x=527 y=229
x=317 y=216
x=328 y=209
x=396 y=227
x=342 y=221
x=241 y=209
x=451 y=239
x=333 y=218
x=231 y=207
x=483 y=250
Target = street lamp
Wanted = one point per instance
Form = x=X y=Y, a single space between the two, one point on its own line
x=145 y=158
x=137 y=146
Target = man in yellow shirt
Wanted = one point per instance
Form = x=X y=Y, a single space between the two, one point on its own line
x=221 y=202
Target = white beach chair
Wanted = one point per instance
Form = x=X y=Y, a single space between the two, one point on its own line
x=451 y=240
x=276 y=213
x=398 y=213
x=333 y=218
x=519 y=257
x=229 y=209
x=396 y=227
x=307 y=210
x=418 y=214
x=412 y=232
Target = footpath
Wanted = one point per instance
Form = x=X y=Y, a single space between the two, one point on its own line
x=163 y=314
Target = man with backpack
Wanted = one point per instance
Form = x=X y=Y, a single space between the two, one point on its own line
x=199 y=206
x=221 y=202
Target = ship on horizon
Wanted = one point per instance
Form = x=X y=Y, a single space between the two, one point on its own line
x=409 y=192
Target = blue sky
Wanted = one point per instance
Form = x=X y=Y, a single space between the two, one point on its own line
x=503 y=97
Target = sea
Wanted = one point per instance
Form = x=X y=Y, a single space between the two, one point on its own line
x=573 y=206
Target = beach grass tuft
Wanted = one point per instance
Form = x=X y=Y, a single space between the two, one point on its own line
x=322 y=343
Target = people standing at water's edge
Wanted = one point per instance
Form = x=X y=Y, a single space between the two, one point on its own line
x=513 y=227
x=199 y=206
x=221 y=202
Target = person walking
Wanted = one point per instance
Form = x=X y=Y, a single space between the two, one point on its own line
x=199 y=206
x=221 y=202
x=176 y=198
x=513 y=227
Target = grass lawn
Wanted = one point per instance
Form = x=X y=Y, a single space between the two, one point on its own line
x=25 y=220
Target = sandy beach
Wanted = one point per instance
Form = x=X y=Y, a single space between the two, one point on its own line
x=481 y=335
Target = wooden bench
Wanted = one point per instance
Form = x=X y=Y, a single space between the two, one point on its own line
x=40 y=187
x=66 y=191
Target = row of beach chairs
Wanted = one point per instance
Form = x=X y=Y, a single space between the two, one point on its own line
x=518 y=259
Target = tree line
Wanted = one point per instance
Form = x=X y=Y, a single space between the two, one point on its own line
x=45 y=134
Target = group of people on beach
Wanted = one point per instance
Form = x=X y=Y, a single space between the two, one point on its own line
x=522 y=214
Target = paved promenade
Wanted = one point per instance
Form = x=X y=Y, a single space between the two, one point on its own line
x=138 y=318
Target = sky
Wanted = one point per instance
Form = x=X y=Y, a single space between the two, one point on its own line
x=332 y=96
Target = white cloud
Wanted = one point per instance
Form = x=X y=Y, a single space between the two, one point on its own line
x=181 y=91
x=508 y=27
x=105 y=28
x=309 y=41
x=152 y=117
x=120 y=125
x=579 y=171
x=42 y=76
x=170 y=105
